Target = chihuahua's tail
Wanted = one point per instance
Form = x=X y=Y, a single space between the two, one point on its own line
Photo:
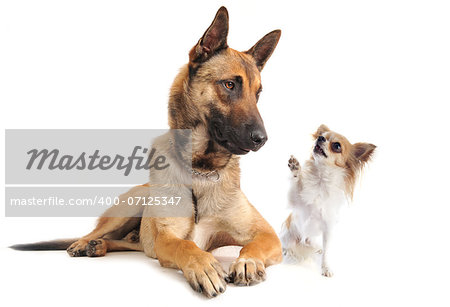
x=45 y=245
x=299 y=253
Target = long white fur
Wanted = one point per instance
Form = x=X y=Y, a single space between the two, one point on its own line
x=316 y=197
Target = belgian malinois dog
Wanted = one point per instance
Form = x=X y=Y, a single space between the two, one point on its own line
x=215 y=96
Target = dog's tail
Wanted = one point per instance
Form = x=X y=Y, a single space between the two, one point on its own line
x=45 y=245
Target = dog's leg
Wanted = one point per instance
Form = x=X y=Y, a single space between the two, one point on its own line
x=261 y=248
x=326 y=237
x=203 y=272
x=112 y=220
x=132 y=237
x=99 y=247
x=262 y=251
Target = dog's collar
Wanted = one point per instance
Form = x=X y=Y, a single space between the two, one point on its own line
x=211 y=175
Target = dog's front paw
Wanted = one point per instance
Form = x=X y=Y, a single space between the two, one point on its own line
x=293 y=164
x=78 y=248
x=247 y=272
x=326 y=271
x=205 y=274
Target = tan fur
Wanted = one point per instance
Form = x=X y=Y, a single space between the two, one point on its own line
x=225 y=215
x=353 y=157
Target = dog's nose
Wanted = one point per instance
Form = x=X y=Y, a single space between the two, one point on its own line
x=258 y=138
x=321 y=139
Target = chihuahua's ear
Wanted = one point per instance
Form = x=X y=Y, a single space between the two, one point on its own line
x=321 y=130
x=214 y=39
x=264 y=48
x=363 y=151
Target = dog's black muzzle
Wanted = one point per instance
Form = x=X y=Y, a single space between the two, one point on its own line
x=240 y=140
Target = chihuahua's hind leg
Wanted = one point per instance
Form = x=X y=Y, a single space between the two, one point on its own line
x=326 y=270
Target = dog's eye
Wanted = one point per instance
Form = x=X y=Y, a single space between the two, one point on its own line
x=336 y=147
x=229 y=85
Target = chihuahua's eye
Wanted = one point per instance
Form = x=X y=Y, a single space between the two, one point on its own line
x=229 y=85
x=336 y=147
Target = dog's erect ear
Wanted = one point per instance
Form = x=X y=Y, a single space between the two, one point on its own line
x=363 y=151
x=214 y=39
x=321 y=130
x=264 y=48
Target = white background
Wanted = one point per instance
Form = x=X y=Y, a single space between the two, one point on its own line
x=375 y=71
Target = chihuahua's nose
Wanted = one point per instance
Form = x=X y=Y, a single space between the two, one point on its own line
x=321 y=139
x=258 y=138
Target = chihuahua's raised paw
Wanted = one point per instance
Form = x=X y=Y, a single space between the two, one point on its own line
x=294 y=165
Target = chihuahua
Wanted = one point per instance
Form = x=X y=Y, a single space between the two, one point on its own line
x=318 y=191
